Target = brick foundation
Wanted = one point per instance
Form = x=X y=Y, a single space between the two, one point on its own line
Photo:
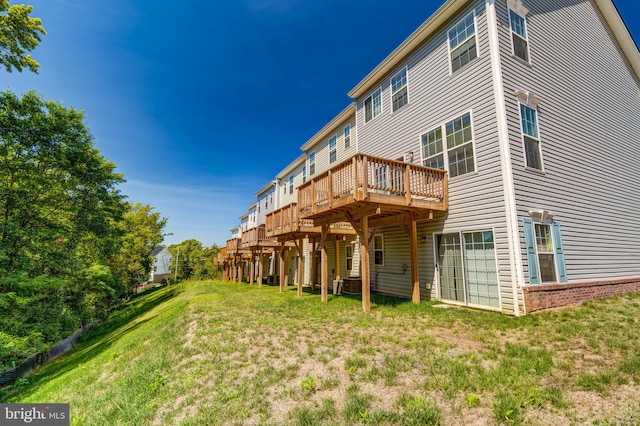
x=545 y=296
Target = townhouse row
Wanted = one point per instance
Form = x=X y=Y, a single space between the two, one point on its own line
x=492 y=160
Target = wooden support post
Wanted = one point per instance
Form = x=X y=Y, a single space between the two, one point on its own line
x=260 y=268
x=239 y=271
x=354 y=178
x=364 y=256
x=283 y=265
x=324 y=273
x=314 y=265
x=413 y=243
x=337 y=258
x=300 y=265
x=253 y=268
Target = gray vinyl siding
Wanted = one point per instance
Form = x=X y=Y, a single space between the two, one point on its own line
x=322 y=148
x=476 y=199
x=265 y=206
x=589 y=124
x=285 y=197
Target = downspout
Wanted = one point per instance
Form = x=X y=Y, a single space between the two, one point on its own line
x=515 y=259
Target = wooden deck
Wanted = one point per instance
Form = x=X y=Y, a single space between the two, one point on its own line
x=234 y=248
x=257 y=237
x=375 y=187
x=285 y=224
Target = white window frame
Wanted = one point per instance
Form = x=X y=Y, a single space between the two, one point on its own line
x=520 y=11
x=333 y=149
x=312 y=163
x=291 y=184
x=446 y=150
x=304 y=173
x=404 y=70
x=347 y=136
x=381 y=250
x=348 y=256
x=475 y=34
x=375 y=94
x=531 y=103
x=552 y=253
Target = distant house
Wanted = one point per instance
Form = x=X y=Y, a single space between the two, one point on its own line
x=161 y=267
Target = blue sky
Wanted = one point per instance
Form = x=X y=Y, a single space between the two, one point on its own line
x=201 y=103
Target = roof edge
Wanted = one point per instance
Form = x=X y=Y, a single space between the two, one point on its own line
x=428 y=27
x=265 y=188
x=621 y=33
x=327 y=129
x=295 y=163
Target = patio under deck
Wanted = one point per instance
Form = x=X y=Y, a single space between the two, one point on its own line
x=285 y=225
x=369 y=192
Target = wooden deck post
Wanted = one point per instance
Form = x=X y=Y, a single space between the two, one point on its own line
x=364 y=262
x=324 y=289
x=413 y=243
x=239 y=271
x=260 y=268
x=324 y=260
x=283 y=265
x=314 y=265
x=252 y=268
x=337 y=258
x=300 y=265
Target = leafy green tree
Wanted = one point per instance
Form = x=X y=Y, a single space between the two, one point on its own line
x=142 y=230
x=58 y=195
x=19 y=34
x=193 y=260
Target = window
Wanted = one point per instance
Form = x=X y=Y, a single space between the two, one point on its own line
x=544 y=245
x=304 y=174
x=458 y=154
x=333 y=152
x=529 y=117
x=462 y=42
x=399 y=95
x=347 y=136
x=373 y=106
x=312 y=163
x=545 y=251
x=348 y=255
x=519 y=40
x=291 y=184
x=378 y=250
x=432 y=149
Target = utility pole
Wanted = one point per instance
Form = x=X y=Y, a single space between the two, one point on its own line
x=177 y=260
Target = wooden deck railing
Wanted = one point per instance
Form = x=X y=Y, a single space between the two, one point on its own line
x=366 y=178
x=232 y=245
x=255 y=237
x=285 y=221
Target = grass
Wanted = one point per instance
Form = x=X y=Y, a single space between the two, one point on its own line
x=222 y=353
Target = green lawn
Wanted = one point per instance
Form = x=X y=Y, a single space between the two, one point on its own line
x=207 y=353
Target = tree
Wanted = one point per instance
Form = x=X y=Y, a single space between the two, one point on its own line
x=194 y=261
x=142 y=230
x=57 y=193
x=19 y=34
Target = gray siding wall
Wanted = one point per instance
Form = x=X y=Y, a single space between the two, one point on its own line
x=589 y=125
x=322 y=148
x=265 y=205
x=476 y=200
x=286 y=197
